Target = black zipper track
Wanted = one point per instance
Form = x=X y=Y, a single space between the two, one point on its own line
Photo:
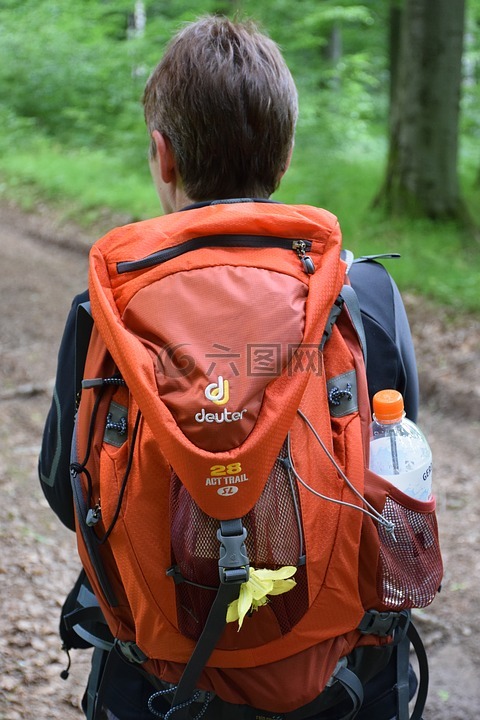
x=88 y=534
x=222 y=241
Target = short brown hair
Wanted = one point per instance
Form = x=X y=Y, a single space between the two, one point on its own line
x=223 y=96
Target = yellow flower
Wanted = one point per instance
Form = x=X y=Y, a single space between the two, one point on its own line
x=253 y=593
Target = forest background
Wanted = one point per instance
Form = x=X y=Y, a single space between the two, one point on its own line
x=388 y=135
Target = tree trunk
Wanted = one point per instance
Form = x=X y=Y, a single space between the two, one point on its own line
x=332 y=53
x=421 y=177
x=394 y=24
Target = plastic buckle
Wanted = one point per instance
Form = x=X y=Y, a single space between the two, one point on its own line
x=384 y=624
x=233 y=563
x=131 y=651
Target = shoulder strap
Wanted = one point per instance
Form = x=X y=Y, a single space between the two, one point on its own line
x=414 y=638
x=353 y=306
x=83 y=332
x=348 y=298
x=379 y=256
x=401 y=626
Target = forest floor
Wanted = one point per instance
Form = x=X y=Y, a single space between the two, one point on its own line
x=43 y=264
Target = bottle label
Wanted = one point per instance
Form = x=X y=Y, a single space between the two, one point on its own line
x=417 y=483
x=404 y=464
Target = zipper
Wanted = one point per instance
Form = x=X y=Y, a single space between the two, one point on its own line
x=88 y=519
x=94 y=515
x=300 y=247
x=86 y=528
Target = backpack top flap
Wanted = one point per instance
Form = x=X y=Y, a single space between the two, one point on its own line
x=187 y=302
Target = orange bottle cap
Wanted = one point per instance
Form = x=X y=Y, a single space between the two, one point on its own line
x=388 y=405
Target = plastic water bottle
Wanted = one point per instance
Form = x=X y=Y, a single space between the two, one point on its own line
x=399 y=451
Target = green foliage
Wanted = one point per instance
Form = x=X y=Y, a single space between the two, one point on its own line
x=471 y=72
x=71 y=74
x=79 y=72
x=72 y=130
x=83 y=181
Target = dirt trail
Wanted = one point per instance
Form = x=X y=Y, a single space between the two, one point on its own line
x=43 y=264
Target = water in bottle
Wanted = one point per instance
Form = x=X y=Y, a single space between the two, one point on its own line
x=399 y=451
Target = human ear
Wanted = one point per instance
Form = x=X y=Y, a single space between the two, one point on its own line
x=164 y=156
x=287 y=164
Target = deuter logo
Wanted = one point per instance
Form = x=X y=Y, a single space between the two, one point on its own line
x=219 y=392
x=225 y=416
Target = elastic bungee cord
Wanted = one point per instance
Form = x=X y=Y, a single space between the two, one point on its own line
x=371 y=511
x=170 y=713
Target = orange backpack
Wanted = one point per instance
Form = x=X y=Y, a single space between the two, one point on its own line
x=225 y=517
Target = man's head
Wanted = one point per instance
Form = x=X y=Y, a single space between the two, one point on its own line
x=225 y=104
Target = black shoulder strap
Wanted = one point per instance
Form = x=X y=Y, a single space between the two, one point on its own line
x=414 y=638
x=83 y=332
x=401 y=626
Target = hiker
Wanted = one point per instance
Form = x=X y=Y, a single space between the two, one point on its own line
x=221 y=109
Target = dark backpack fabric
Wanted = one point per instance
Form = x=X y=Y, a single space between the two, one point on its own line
x=128 y=692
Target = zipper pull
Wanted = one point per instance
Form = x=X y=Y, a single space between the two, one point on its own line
x=300 y=247
x=94 y=515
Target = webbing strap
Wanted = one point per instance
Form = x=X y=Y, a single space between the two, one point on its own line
x=83 y=331
x=402 y=687
x=423 y=672
x=104 y=667
x=206 y=643
x=100 y=659
x=88 y=621
x=348 y=258
x=404 y=632
x=354 y=688
x=89 y=624
x=351 y=301
x=232 y=534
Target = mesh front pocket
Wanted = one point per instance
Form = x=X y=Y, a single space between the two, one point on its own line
x=410 y=563
x=274 y=539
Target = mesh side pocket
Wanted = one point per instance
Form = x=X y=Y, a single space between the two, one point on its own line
x=274 y=539
x=410 y=568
